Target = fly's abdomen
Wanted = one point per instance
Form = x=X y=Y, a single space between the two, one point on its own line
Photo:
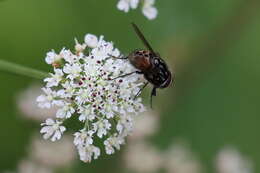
x=161 y=78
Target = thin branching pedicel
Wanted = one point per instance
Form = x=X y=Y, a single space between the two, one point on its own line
x=81 y=86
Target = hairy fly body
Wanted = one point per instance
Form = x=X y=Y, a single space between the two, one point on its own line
x=150 y=64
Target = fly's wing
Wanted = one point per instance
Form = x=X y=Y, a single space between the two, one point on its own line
x=141 y=36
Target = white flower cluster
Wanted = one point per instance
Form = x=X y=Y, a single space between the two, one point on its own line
x=148 y=8
x=230 y=160
x=178 y=158
x=85 y=85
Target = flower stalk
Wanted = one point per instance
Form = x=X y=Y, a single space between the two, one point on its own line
x=21 y=70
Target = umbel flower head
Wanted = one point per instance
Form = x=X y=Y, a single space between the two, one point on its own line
x=148 y=8
x=84 y=85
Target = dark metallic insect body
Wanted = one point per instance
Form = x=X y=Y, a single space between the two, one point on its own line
x=150 y=64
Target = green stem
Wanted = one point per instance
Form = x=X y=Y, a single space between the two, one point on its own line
x=21 y=70
x=86 y=125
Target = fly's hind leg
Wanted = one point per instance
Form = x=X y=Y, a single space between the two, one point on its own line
x=140 y=90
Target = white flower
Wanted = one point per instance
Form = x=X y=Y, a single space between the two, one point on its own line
x=180 y=159
x=48 y=100
x=108 y=111
x=83 y=96
x=113 y=142
x=145 y=125
x=142 y=157
x=125 y=5
x=101 y=127
x=229 y=160
x=28 y=107
x=73 y=70
x=91 y=40
x=124 y=123
x=148 y=8
x=67 y=91
x=52 y=58
x=83 y=138
x=104 y=50
x=55 y=78
x=86 y=113
x=29 y=166
x=68 y=56
x=51 y=154
x=82 y=85
x=79 y=47
x=87 y=152
x=52 y=129
x=65 y=112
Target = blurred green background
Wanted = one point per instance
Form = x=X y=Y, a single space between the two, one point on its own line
x=211 y=45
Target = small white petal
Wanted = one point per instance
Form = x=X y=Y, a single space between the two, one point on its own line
x=49 y=121
x=91 y=40
x=46 y=136
x=123 y=5
x=56 y=136
x=150 y=12
x=45 y=129
x=62 y=129
x=134 y=3
x=40 y=98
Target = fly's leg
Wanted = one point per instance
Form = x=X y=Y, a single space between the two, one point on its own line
x=128 y=74
x=140 y=90
x=153 y=93
x=119 y=57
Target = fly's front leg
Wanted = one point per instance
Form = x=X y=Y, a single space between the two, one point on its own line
x=128 y=74
x=119 y=57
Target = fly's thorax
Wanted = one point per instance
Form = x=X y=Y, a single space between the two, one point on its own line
x=140 y=59
x=159 y=74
